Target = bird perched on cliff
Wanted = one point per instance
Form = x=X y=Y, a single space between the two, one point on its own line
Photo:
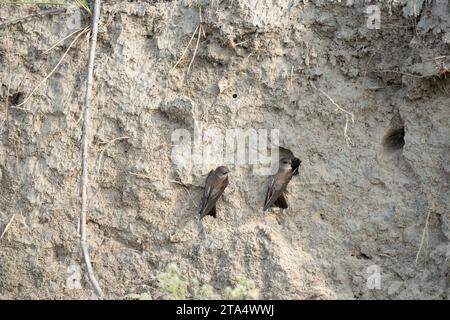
x=276 y=193
x=216 y=182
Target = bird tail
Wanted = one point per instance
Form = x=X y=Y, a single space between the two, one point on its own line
x=281 y=202
x=211 y=212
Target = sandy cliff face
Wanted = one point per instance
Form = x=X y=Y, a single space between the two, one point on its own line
x=355 y=210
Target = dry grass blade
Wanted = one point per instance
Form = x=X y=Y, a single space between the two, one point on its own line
x=7 y=226
x=51 y=72
x=200 y=30
x=62 y=40
x=424 y=235
x=185 y=50
x=196 y=47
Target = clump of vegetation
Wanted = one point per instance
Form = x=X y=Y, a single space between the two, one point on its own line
x=204 y=292
x=136 y=296
x=172 y=283
x=245 y=289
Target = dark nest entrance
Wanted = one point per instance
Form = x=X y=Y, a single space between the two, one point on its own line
x=394 y=140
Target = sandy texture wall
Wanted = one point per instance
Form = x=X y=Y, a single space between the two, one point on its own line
x=260 y=64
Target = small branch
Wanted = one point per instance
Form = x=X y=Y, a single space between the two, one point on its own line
x=35 y=14
x=102 y=153
x=348 y=115
x=85 y=150
x=7 y=226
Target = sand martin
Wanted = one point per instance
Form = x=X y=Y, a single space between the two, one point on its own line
x=216 y=182
x=276 y=193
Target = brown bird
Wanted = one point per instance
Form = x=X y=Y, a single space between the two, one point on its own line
x=216 y=182
x=276 y=196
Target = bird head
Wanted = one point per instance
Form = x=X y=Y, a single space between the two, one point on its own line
x=222 y=171
x=285 y=164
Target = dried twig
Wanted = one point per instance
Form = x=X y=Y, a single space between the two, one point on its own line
x=348 y=115
x=103 y=152
x=85 y=149
x=32 y=15
x=7 y=226
x=51 y=72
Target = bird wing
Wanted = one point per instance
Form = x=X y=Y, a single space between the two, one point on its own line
x=213 y=195
x=276 y=188
x=206 y=192
x=281 y=201
x=269 y=190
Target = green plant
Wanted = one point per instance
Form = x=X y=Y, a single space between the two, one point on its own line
x=204 y=292
x=172 y=283
x=85 y=5
x=177 y=287
x=245 y=289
